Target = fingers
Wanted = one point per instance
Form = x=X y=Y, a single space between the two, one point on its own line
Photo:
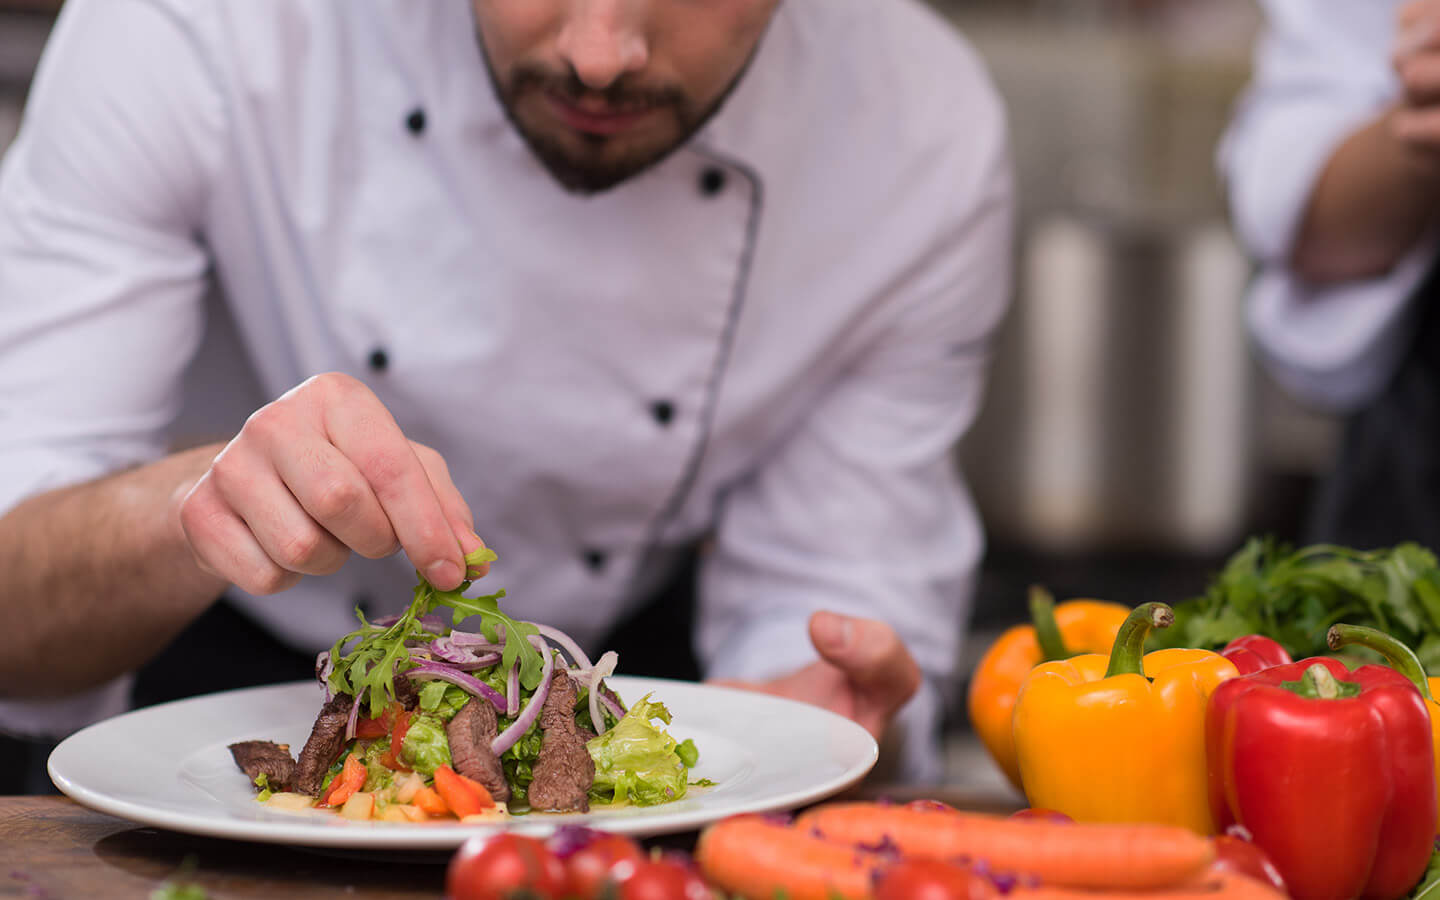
x=286 y=533
x=360 y=427
x=319 y=472
x=457 y=511
x=223 y=544
x=873 y=659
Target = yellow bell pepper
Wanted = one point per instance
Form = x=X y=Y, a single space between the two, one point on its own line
x=1403 y=660
x=1101 y=742
x=1056 y=632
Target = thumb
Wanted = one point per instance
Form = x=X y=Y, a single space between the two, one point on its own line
x=870 y=655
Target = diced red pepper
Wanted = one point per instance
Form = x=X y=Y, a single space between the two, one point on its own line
x=368 y=728
x=430 y=801
x=1331 y=771
x=350 y=780
x=464 y=796
x=391 y=758
x=1254 y=653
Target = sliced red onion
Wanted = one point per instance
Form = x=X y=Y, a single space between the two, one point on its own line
x=446 y=650
x=604 y=666
x=612 y=700
x=567 y=644
x=512 y=690
x=434 y=671
x=432 y=624
x=473 y=641
x=354 y=716
x=507 y=738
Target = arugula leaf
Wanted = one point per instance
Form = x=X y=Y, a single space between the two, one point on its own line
x=379 y=654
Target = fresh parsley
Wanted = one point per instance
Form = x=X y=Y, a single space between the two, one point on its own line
x=1295 y=595
x=377 y=655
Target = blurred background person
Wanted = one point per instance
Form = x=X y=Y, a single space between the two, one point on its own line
x=1333 y=168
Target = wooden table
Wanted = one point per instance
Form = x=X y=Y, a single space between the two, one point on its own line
x=54 y=849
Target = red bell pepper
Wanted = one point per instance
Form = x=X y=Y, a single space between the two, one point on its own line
x=1255 y=652
x=1324 y=766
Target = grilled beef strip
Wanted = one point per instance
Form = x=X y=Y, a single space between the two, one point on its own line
x=564 y=771
x=327 y=739
x=470 y=733
x=256 y=758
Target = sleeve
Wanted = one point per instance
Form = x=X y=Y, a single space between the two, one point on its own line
x=862 y=510
x=102 y=267
x=1322 y=71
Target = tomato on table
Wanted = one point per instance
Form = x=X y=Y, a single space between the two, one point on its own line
x=1243 y=857
x=505 y=866
x=660 y=879
x=1045 y=815
x=589 y=868
x=929 y=879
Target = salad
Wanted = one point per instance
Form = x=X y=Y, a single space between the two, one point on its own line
x=423 y=720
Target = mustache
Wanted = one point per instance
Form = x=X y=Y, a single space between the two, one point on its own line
x=625 y=93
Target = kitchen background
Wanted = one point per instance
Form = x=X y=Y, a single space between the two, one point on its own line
x=1129 y=442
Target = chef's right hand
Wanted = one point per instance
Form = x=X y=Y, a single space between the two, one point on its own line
x=319 y=473
x=1415 y=120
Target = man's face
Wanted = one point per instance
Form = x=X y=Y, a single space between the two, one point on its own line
x=602 y=89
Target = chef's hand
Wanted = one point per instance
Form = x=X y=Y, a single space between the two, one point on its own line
x=1416 y=118
x=319 y=473
x=864 y=673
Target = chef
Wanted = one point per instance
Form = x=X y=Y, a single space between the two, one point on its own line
x=1333 y=165
x=595 y=280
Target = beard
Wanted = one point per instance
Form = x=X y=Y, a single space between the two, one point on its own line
x=591 y=163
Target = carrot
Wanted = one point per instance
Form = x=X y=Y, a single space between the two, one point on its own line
x=431 y=802
x=350 y=780
x=757 y=859
x=1225 y=886
x=464 y=796
x=1062 y=854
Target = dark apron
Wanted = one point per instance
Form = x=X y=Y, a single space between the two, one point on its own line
x=1385 y=488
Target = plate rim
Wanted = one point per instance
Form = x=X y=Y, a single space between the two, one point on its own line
x=433 y=837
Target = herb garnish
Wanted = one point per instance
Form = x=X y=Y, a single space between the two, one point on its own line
x=379 y=654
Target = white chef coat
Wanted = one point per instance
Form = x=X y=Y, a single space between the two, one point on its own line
x=810 y=285
x=1322 y=71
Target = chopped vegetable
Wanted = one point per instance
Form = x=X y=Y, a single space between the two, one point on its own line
x=464 y=796
x=351 y=779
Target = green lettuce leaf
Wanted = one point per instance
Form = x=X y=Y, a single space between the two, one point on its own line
x=636 y=762
x=425 y=745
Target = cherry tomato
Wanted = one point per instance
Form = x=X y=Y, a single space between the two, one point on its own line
x=929 y=879
x=588 y=868
x=660 y=879
x=502 y=866
x=1237 y=855
x=1045 y=815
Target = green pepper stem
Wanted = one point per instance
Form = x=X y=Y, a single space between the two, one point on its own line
x=1400 y=657
x=1319 y=683
x=1047 y=631
x=1127 y=657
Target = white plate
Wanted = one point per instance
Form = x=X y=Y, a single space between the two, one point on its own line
x=168 y=766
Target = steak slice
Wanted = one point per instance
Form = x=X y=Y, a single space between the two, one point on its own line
x=327 y=739
x=564 y=771
x=406 y=692
x=470 y=734
x=256 y=758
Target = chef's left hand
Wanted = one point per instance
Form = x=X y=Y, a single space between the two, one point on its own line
x=864 y=673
